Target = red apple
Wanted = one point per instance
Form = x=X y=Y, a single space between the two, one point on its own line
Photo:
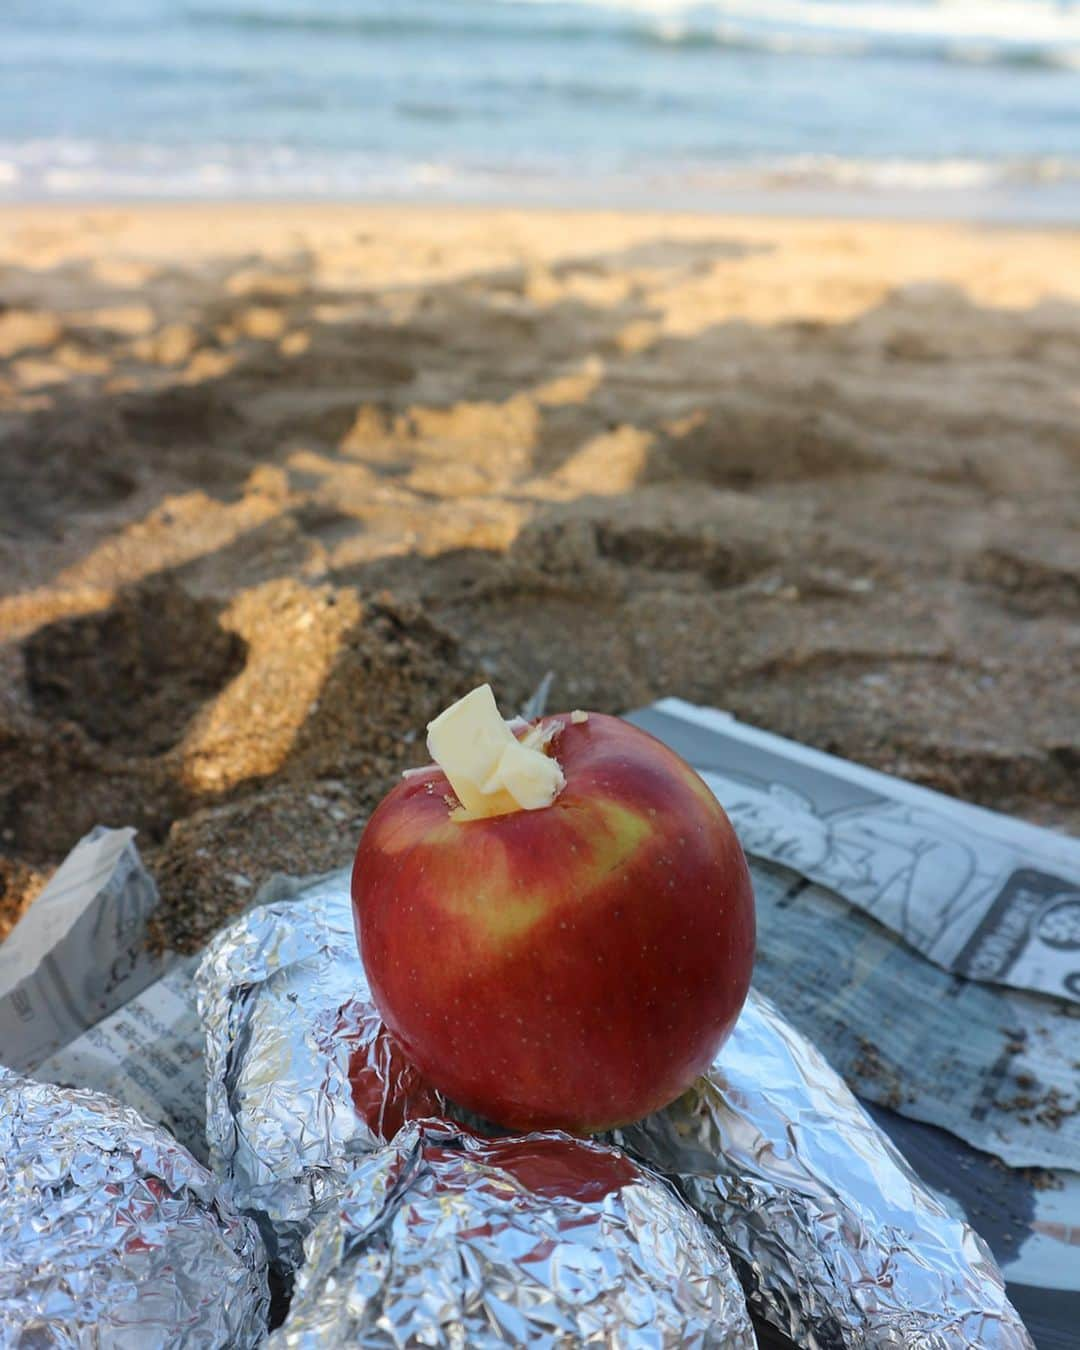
x=573 y=967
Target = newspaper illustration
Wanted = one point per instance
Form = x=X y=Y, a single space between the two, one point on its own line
x=994 y=1067
x=980 y=894
x=79 y=951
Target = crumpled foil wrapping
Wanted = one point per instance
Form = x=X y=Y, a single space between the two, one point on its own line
x=445 y=1239
x=836 y=1240
x=301 y=1074
x=113 y=1236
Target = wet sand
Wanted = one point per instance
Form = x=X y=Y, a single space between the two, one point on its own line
x=277 y=483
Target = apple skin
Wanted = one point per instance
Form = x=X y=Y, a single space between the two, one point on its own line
x=575 y=967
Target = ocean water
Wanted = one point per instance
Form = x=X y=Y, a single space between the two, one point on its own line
x=755 y=102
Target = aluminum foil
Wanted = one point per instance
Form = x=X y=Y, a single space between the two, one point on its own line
x=837 y=1242
x=301 y=1074
x=445 y=1239
x=112 y=1236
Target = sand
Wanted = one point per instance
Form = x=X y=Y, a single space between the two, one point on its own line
x=277 y=483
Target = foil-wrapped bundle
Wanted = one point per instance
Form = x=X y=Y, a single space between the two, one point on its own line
x=113 y=1236
x=302 y=1076
x=446 y=1239
x=836 y=1240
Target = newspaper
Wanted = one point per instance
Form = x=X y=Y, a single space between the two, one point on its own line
x=79 y=951
x=980 y=894
x=944 y=1043
x=992 y=1066
x=148 y=1055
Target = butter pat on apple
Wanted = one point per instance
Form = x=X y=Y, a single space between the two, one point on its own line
x=556 y=920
